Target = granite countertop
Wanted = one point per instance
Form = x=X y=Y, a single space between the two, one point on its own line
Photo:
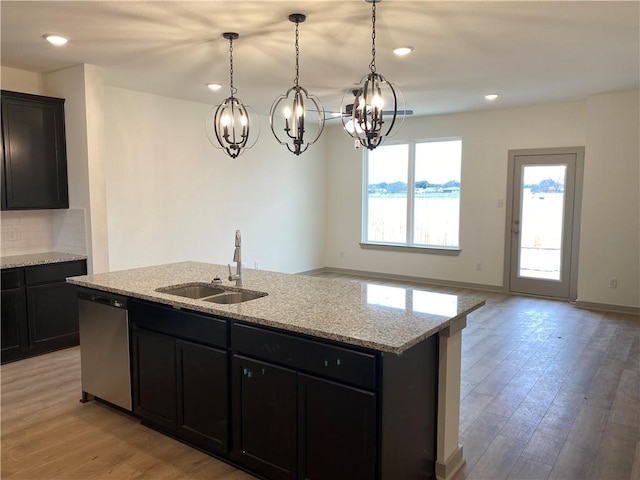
x=30 y=259
x=379 y=317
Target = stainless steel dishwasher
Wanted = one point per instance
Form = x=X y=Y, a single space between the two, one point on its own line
x=104 y=347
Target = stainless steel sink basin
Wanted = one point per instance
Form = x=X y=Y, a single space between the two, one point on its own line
x=196 y=290
x=211 y=293
x=234 y=297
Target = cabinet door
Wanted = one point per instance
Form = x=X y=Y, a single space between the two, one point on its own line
x=35 y=164
x=53 y=316
x=265 y=418
x=203 y=406
x=15 y=341
x=338 y=431
x=154 y=378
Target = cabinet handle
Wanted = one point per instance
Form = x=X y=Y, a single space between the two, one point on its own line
x=338 y=362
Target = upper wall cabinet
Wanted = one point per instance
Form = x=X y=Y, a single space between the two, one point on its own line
x=34 y=155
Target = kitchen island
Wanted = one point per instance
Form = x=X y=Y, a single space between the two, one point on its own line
x=316 y=379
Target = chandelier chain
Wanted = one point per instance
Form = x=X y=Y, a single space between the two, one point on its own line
x=232 y=88
x=296 y=80
x=372 y=65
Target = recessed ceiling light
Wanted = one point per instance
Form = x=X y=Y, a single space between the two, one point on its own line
x=491 y=96
x=56 y=40
x=402 y=51
x=214 y=86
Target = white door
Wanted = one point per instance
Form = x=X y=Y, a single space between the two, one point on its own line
x=542 y=251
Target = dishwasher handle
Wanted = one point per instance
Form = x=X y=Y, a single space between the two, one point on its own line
x=103 y=298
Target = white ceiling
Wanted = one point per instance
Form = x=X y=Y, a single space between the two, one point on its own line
x=529 y=52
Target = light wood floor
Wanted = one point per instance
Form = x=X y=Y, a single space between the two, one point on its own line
x=548 y=391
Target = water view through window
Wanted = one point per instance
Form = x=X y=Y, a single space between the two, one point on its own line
x=427 y=215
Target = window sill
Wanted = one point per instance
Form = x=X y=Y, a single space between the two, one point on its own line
x=449 y=251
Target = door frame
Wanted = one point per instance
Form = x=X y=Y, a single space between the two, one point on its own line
x=577 y=208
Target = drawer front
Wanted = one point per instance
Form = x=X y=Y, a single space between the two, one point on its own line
x=331 y=361
x=12 y=278
x=54 y=272
x=196 y=327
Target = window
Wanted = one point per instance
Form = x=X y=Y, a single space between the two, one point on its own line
x=425 y=216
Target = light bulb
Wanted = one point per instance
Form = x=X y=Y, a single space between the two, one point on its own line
x=287 y=112
x=377 y=102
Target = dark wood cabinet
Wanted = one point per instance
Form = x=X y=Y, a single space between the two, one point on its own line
x=335 y=423
x=15 y=337
x=203 y=400
x=265 y=420
x=53 y=316
x=181 y=385
x=34 y=159
x=154 y=377
x=40 y=314
x=337 y=431
x=282 y=405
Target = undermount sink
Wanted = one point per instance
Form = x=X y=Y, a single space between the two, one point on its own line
x=234 y=297
x=211 y=293
x=199 y=290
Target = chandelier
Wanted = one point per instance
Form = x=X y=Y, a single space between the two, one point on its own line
x=289 y=116
x=229 y=125
x=363 y=106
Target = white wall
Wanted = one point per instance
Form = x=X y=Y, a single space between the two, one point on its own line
x=173 y=197
x=610 y=239
x=486 y=138
x=16 y=80
x=81 y=86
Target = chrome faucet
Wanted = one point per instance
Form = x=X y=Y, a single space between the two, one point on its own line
x=237 y=257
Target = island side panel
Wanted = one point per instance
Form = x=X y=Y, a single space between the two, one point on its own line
x=409 y=412
x=449 y=453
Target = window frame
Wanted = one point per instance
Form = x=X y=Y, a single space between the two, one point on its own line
x=408 y=246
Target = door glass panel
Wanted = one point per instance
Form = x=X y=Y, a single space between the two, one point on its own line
x=541 y=221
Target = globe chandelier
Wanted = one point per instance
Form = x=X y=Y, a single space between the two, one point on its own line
x=232 y=126
x=290 y=113
x=371 y=107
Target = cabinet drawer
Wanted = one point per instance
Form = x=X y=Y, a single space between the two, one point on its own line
x=192 y=326
x=331 y=361
x=54 y=272
x=12 y=278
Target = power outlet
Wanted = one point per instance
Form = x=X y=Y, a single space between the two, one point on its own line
x=613 y=282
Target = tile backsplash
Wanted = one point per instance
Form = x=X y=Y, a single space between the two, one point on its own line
x=34 y=231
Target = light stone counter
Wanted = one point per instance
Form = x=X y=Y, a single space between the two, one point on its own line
x=382 y=318
x=44 y=258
